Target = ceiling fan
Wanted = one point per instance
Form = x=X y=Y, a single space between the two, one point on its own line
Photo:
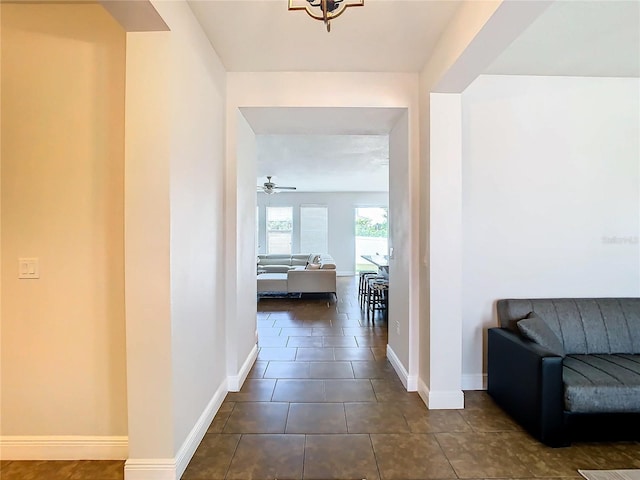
x=269 y=187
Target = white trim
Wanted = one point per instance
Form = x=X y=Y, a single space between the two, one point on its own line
x=443 y=400
x=410 y=382
x=474 y=381
x=234 y=382
x=345 y=273
x=63 y=447
x=169 y=468
x=423 y=391
x=150 y=469
x=198 y=431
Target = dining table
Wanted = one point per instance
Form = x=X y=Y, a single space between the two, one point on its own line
x=380 y=261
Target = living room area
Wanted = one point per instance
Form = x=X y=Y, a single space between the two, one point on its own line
x=316 y=224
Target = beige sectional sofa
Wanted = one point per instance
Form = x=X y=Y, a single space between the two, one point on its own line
x=297 y=273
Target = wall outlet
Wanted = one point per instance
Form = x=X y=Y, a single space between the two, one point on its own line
x=397 y=327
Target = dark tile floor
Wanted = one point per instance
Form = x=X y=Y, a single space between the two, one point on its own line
x=323 y=402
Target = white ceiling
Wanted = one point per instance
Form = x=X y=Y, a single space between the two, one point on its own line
x=577 y=38
x=317 y=163
x=324 y=149
x=322 y=121
x=571 y=38
x=381 y=36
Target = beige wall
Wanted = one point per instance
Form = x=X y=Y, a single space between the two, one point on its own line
x=147 y=241
x=63 y=341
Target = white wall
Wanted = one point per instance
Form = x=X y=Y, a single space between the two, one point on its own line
x=379 y=90
x=550 y=195
x=478 y=32
x=404 y=290
x=63 y=335
x=240 y=255
x=197 y=218
x=341 y=219
x=446 y=246
x=176 y=360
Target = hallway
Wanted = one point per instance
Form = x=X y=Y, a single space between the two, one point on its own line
x=322 y=402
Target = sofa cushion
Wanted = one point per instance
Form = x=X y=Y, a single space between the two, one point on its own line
x=584 y=325
x=535 y=329
x=601 y=383
x=313 y=266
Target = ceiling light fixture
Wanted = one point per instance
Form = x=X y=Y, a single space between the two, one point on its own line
x=325 y=10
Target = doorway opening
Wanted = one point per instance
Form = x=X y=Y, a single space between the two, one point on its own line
x=256 y=123
x=371 y=236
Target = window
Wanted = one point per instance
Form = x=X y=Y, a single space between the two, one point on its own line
x=314 y=221
x=279 y=229
x=372 y=232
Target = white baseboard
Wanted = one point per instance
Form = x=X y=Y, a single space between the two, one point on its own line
x=63 y=447
x=234 y=382
x=150 y=469
x=410 y=382
x=170 y=468
x=198 y=431
x=440 y=400
x=475 y=381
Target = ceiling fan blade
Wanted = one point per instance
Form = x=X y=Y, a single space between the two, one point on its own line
x=285 y=188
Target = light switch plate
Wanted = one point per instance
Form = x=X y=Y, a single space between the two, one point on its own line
x=28 y=268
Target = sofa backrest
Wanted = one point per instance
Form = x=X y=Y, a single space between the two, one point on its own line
x=298 y=259
x=583 y=325
x=325 y=260
x=274 y=259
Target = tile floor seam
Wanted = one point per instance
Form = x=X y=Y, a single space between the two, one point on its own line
x=304 y=455
x=375 y=457
x=286 y=419
x=228 y=417
x=435 y=436
x=226 y=472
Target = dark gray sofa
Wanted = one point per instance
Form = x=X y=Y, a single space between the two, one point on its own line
x=591 y=380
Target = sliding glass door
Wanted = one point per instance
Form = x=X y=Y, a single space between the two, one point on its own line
x=372 y=235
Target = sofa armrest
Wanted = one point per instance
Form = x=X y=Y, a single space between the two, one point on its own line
x=526 y=381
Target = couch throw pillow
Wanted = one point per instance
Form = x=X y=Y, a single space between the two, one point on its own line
x=535 y=329
x=313 y=266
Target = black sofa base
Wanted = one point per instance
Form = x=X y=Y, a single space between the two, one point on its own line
x=526 y=381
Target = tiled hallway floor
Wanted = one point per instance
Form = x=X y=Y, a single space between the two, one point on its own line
x=323 y=402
